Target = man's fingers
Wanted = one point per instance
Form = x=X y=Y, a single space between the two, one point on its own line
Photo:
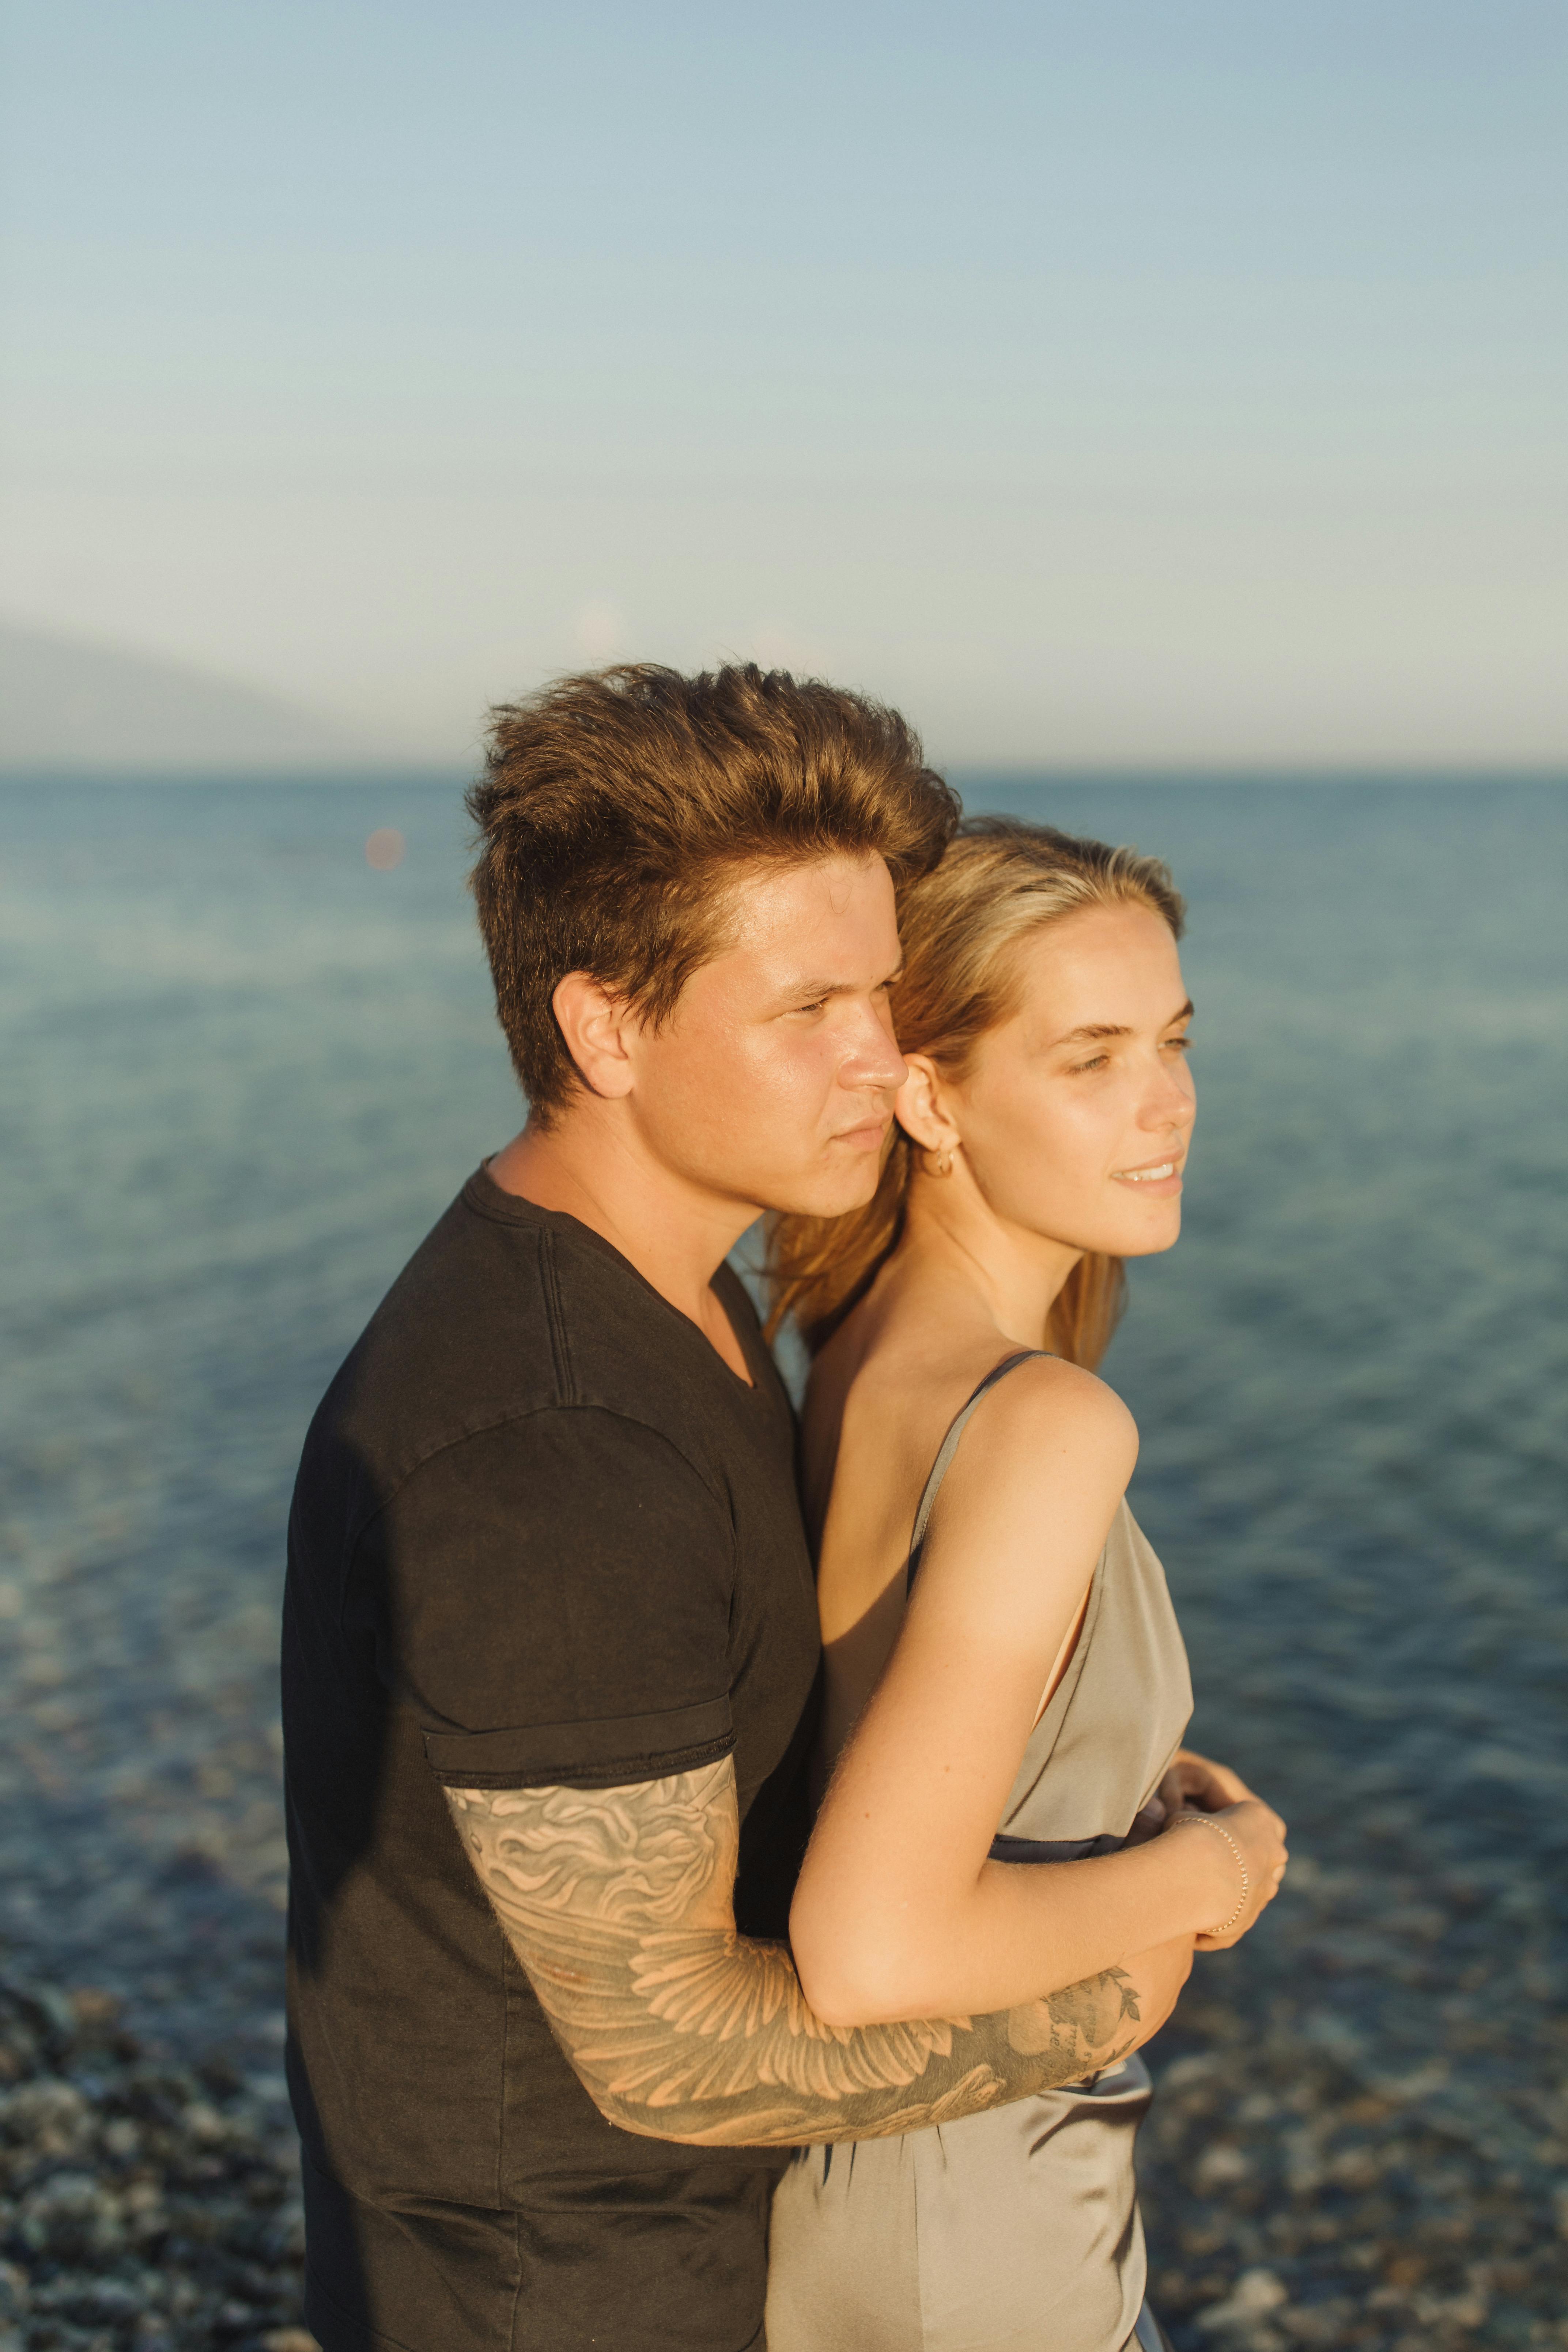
x=1148 y=1822
x=1183 y=1782
x=1212 y=1787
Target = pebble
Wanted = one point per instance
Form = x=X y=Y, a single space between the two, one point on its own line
x=144 y=2207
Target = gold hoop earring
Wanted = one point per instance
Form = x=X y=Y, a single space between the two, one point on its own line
x=943 y=1164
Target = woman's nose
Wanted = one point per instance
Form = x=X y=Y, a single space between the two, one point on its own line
x=1170 y=1101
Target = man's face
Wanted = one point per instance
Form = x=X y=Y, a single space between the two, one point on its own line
x=771 y=1084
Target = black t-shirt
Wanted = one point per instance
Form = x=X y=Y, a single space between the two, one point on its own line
x=542 y=1533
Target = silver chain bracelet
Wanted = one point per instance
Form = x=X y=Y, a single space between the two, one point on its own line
x=1207 y=1822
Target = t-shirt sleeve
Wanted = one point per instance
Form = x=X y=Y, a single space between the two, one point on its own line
x=551 y=1599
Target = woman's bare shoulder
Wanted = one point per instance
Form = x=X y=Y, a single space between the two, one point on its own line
x=901 y=1371
x=877 y=1409
x=1049 y=1418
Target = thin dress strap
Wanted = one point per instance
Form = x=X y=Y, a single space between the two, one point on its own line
x=943 y=1462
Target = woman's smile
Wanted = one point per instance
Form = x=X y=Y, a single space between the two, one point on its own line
x=1155 y=1176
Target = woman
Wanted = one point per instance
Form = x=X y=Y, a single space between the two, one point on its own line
x=1025 y=1700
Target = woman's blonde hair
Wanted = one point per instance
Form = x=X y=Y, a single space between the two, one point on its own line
x=1001 y=881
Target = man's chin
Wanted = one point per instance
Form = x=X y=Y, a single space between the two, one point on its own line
x=832 y=1192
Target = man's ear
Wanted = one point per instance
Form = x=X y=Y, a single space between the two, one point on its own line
x=597 y=1028
x=918 y=1109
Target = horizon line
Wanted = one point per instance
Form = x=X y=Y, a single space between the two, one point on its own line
x=1003 y=772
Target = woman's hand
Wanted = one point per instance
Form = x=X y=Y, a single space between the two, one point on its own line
x=1196 y=1786
x=1254 y=1842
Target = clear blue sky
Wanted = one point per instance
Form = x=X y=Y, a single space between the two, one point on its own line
x=1141 y=380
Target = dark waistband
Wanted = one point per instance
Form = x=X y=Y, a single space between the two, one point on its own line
x=1015 y=1849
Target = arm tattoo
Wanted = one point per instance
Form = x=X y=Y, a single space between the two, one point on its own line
x=618 y=1903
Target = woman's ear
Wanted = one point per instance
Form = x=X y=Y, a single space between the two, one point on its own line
x=918 y=1109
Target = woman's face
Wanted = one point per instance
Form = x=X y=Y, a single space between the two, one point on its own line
x=1077 y=1109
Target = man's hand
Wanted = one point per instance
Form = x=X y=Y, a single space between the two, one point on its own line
x=1195 y=1782
x=618 y=1903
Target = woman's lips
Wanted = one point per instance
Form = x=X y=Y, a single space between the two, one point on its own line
x=1155 y=1176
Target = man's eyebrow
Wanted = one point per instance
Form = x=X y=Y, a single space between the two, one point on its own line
x=813 y=991
x=1093 y=1029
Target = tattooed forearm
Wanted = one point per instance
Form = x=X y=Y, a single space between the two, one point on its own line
x=618 y=1902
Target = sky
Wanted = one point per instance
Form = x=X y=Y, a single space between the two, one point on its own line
x=1151 y=382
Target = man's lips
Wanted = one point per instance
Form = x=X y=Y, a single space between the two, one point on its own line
x=867 y=1136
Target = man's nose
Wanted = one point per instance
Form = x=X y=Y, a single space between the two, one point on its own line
x=874 y=1059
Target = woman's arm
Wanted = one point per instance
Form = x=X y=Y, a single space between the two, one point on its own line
x=899 y=1912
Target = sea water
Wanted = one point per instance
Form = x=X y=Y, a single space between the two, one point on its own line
x=244 y=1070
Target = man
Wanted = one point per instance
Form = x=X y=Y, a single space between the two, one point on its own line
x=550 y=1634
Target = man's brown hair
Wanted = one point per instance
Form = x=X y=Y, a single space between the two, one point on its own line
x=613 y=804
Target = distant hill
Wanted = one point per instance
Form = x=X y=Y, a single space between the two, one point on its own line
x=67 y=703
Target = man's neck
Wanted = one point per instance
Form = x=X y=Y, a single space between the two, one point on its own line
x=592 y=1164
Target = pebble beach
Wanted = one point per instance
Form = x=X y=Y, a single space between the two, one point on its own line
x=1304 y=2185
x=143 y=2204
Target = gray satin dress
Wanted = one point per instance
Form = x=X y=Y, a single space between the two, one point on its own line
x=1015 y=2229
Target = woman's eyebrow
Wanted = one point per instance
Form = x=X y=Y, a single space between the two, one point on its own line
x=1092 y=1029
